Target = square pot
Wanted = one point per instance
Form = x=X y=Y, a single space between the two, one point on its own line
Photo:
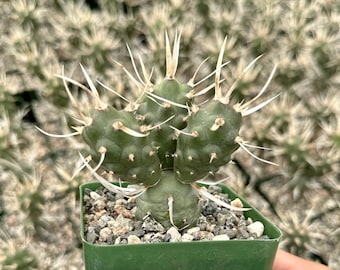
x=199 y=255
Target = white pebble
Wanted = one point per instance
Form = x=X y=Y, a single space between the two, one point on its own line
x=133 y=239
x=187 y=237
x=99 y=204
x=193 y=230
x=236 y=203
x=104 y=234
x=175 y=236
x=221 y=237
x=94 y=195
x=257 y=227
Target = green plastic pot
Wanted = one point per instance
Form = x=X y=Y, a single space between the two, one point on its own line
x=204 y=255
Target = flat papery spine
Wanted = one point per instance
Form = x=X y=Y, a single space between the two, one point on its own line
x=119 y=126
x=113 y=91
x=167 y=101
x=204 y=193
x=148 y=128
x=244 y=107
x=226 y=98
x=241 y=143
x=134 y=66
x=192 y=79
x=203 y=91
x=58 y=135
x=126 y=191
x=218 y=91
x=74 y=103
x=99 y=104
x=172 y=59
x=134 y=80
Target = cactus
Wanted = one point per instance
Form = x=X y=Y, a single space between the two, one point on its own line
x=19 y=259
x=163 y=142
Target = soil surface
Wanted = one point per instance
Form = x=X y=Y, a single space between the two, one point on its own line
x=110 y=220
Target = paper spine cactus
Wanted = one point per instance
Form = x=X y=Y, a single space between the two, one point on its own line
x=163 y=142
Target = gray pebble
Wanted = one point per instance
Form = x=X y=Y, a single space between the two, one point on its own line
x=151 y=225
x=103 y=220
x=91 y=235
x=232 y=233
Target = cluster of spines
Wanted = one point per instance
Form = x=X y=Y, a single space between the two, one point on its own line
x=163 y=128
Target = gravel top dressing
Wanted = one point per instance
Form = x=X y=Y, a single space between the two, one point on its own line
x=110 y=220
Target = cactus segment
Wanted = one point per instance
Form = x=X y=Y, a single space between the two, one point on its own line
x=169 y=99
x=182 y=211
x=214 y=129
x=128 y=153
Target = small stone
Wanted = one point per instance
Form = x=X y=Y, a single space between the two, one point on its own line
x=91 y=235
x=243 y=233
x=193 y=230
x=219 y=229
x=221 y=237
x=204 y=235
x=99 y=204
x=147 y=238
x=231 y=233
x=120 y=225
x=157 y=238
x=138 y=232
x=103 y=220
x=133 y=239
x=209 y=209
x=94 y=195
x=175 y=236
x=257 y=228
x=249 y=221
x=221 y=218
x=187 y=237
x=236 y=203
x=117 y=241
x=110 y=204
x=104 y=234
x=121 y=210
x=121 y=202
x=151 y=225
x=210 y=227
x=111 y=196
x=123 y=241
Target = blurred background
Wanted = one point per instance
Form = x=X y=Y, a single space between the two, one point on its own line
x=39 y=215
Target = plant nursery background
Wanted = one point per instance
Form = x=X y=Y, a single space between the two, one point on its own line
x=39 y=212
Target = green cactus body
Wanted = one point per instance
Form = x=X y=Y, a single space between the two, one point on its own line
x=131 y=158
x=163 y=142
x=156 y=201
x=207 y=142
x=154 y=111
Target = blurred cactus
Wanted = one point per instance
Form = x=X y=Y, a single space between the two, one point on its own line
x=302 y=37
x=13 y=257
